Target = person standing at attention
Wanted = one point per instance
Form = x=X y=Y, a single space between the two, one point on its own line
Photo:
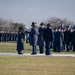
x=20 y=41
x=41 y=42
x=34 y=38
x=48 y=38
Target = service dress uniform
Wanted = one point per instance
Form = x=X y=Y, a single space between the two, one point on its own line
x=48 y=38
x=34 y=38
x=20 y=42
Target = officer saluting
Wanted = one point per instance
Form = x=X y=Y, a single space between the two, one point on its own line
x=48 y=38
x=34 y=38
x=20 y=41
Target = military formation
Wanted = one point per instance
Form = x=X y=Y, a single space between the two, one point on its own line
x=6 y=36
x=47 y=38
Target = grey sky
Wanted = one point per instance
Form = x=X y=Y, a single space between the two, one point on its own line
x=26 y=11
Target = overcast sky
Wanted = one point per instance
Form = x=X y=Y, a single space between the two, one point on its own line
x=26 y=11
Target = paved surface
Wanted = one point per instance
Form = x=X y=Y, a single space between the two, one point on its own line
x=27 y=54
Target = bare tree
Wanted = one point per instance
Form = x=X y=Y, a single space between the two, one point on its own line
x=8 y=25
x=55 y=22
x=15 y=26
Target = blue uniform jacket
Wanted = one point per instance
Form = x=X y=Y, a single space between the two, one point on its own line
x=48 y=34
x=40 y=37
x=34 y=36
x=20 y=41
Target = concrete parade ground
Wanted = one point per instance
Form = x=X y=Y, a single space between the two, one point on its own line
x=28 y=54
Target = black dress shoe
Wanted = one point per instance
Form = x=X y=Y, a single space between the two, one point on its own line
x=41 y=53
x=33 y=54
x=48 y=54
x=20 y=53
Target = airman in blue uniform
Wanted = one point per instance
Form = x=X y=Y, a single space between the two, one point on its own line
x=20 y=41
x=73 y=38
x=57 y=40
x=48 y=38
x=34 y=38
x=67 y=38
x=41 y=42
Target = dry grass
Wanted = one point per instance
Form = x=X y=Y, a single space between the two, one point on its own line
x=21 y=65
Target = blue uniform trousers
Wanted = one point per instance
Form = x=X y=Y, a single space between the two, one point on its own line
x=34 y=49
x=48 y=45
x=41 y=49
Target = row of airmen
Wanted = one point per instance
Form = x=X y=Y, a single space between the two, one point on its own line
x=8 y=36
x=46 y=37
